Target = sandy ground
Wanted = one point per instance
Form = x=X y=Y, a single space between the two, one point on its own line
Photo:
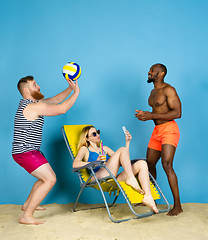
x=62 y=223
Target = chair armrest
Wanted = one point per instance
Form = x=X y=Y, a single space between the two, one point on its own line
x=90 y=165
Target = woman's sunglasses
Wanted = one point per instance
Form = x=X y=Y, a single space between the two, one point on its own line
x=94 y=134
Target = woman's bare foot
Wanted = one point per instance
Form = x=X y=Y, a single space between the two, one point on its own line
x=133 y=183
x=38 y=208
x=30 y=220
x=175 y=211
x=150 y=203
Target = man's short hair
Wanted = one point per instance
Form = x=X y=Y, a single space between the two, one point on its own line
x=22 y=82
x=162 y=67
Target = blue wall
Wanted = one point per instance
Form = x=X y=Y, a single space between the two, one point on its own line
x=115 y=43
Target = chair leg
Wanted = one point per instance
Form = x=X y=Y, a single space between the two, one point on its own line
x=78 y=198
x=82 y=188
x=114 y=201
x=163 y=196
x=106 y=204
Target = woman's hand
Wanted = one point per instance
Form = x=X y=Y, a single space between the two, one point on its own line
x=128 y=136
x=101 y=158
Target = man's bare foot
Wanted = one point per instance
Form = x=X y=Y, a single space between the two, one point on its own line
x=30 y=220
x=175 y=211
x=133 y=183
x=38 y=208
x=150 y=203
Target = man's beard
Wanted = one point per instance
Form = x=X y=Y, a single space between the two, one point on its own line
x=37 y=95
x=150 y=80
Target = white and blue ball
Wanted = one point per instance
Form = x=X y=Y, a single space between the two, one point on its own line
x=71 y=71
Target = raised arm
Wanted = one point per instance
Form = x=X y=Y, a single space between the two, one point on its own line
x=60 y=97
x=128 y=138
x=41 y=108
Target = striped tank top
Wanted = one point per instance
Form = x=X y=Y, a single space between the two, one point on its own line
x=27 y=134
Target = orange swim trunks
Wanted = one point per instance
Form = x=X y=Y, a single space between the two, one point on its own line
x=166 y=133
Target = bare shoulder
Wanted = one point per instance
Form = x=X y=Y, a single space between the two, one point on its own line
x=81 y=154
x=83 y=149
x=35 y=105
x=31 y=111
x=169 y=90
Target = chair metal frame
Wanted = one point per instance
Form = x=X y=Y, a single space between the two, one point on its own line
x=98 y=182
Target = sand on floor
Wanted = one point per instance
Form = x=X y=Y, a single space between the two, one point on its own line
x=62 y=223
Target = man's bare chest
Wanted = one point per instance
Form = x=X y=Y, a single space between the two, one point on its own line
x=157 y=98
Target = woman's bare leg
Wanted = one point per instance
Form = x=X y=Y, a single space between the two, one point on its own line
x=140 y=168
x=121 y=157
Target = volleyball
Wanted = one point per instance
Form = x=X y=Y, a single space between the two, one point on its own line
x=71 y=71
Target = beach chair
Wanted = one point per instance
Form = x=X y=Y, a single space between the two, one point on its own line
x=110 y=184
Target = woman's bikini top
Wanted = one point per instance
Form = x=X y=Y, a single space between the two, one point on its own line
x=94 y=155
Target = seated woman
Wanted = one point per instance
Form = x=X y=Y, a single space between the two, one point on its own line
x=89 y=150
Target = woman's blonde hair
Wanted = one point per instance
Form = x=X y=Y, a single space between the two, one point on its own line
x=83 y=137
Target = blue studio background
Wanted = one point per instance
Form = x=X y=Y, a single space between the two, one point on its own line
x=115 y=43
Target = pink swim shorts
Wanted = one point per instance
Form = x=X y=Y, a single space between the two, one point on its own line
x=30 y=161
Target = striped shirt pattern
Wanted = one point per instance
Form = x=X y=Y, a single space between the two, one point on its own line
x=27 y=134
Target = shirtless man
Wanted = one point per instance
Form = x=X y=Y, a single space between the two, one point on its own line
x=28 y=137
x=166 y=107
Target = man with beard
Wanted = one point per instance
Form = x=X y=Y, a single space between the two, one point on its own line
x=166 y=107
x=28 y=125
